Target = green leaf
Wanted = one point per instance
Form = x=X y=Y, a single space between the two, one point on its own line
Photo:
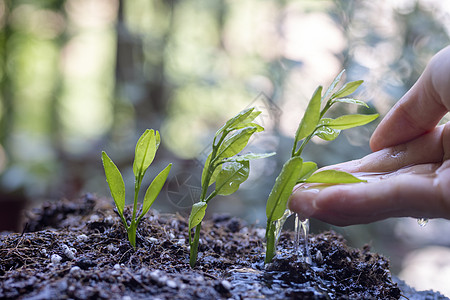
x=245 y=116
x=333 y=85
x=234 y=144
x=115 y=182
x=307 y=170
x=145 y=152
x=259 y=128
x=311 y=117
x=350 y=121
x=325 y=132
x=282 y=189
x=249 y=156
x=236 y=158
x=197 y=214
x=231 y=176
x=251 y=117
x=154 y=189
x=333 y=177
x=347 y=89
x=157 y=140
x=351 y=101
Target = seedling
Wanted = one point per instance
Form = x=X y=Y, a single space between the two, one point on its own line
x=225 y=168
x=145 y=152
x=295 y=170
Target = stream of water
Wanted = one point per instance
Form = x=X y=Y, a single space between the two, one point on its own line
x=301 y=233
x=301 y=228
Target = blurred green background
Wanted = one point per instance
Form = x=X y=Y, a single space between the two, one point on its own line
x=81 y=76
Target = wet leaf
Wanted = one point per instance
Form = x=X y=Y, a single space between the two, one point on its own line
x=229 y=148
x=197 y=214
x=244 y=117
x=311 y=117
x=259 y=128
x=249 y=156
x=351 y=101
x=235 y=143
x=333 y=177
x=231 y=176
x=307 y=170
x=282 y=189
x=350 y=121
x=327 y=133
x=115 y=182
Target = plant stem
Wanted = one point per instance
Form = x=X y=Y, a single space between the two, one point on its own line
x=133 y=224
x=211 y=168
x=137 y=186
x=194 y=246
x=212 y=195
x=270 y=240
x=325 y=109
x=132 y=233
x=302 y=146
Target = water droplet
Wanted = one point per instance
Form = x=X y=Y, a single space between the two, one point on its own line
x=422 y=221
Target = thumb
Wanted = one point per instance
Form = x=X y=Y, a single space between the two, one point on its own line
x=420 y=109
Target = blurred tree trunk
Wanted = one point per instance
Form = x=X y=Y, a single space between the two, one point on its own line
x=138 y=80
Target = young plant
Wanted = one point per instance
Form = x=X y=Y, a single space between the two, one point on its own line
x=145 y=152
x=295 y=170
x=225 y=168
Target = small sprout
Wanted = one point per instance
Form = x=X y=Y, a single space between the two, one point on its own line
x=145 y=152
x=295 y=170
x=225 y=168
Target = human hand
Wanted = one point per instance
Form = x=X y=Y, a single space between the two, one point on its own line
x=410 y=168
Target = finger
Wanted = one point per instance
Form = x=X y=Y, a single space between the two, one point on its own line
x=420 y=109
x=405 y=195
x=429 y=148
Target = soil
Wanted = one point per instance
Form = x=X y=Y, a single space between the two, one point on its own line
x=79 y=250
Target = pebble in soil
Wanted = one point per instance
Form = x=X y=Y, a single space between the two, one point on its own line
x=79 y=250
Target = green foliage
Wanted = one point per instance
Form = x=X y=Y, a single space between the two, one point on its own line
x=146 y=148
x=225 y=168
x=296 y=171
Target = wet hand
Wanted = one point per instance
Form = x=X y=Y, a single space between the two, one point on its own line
x=411 y=179
x=410 y=170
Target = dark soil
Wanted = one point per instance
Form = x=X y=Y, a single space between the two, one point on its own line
x=79 y=250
